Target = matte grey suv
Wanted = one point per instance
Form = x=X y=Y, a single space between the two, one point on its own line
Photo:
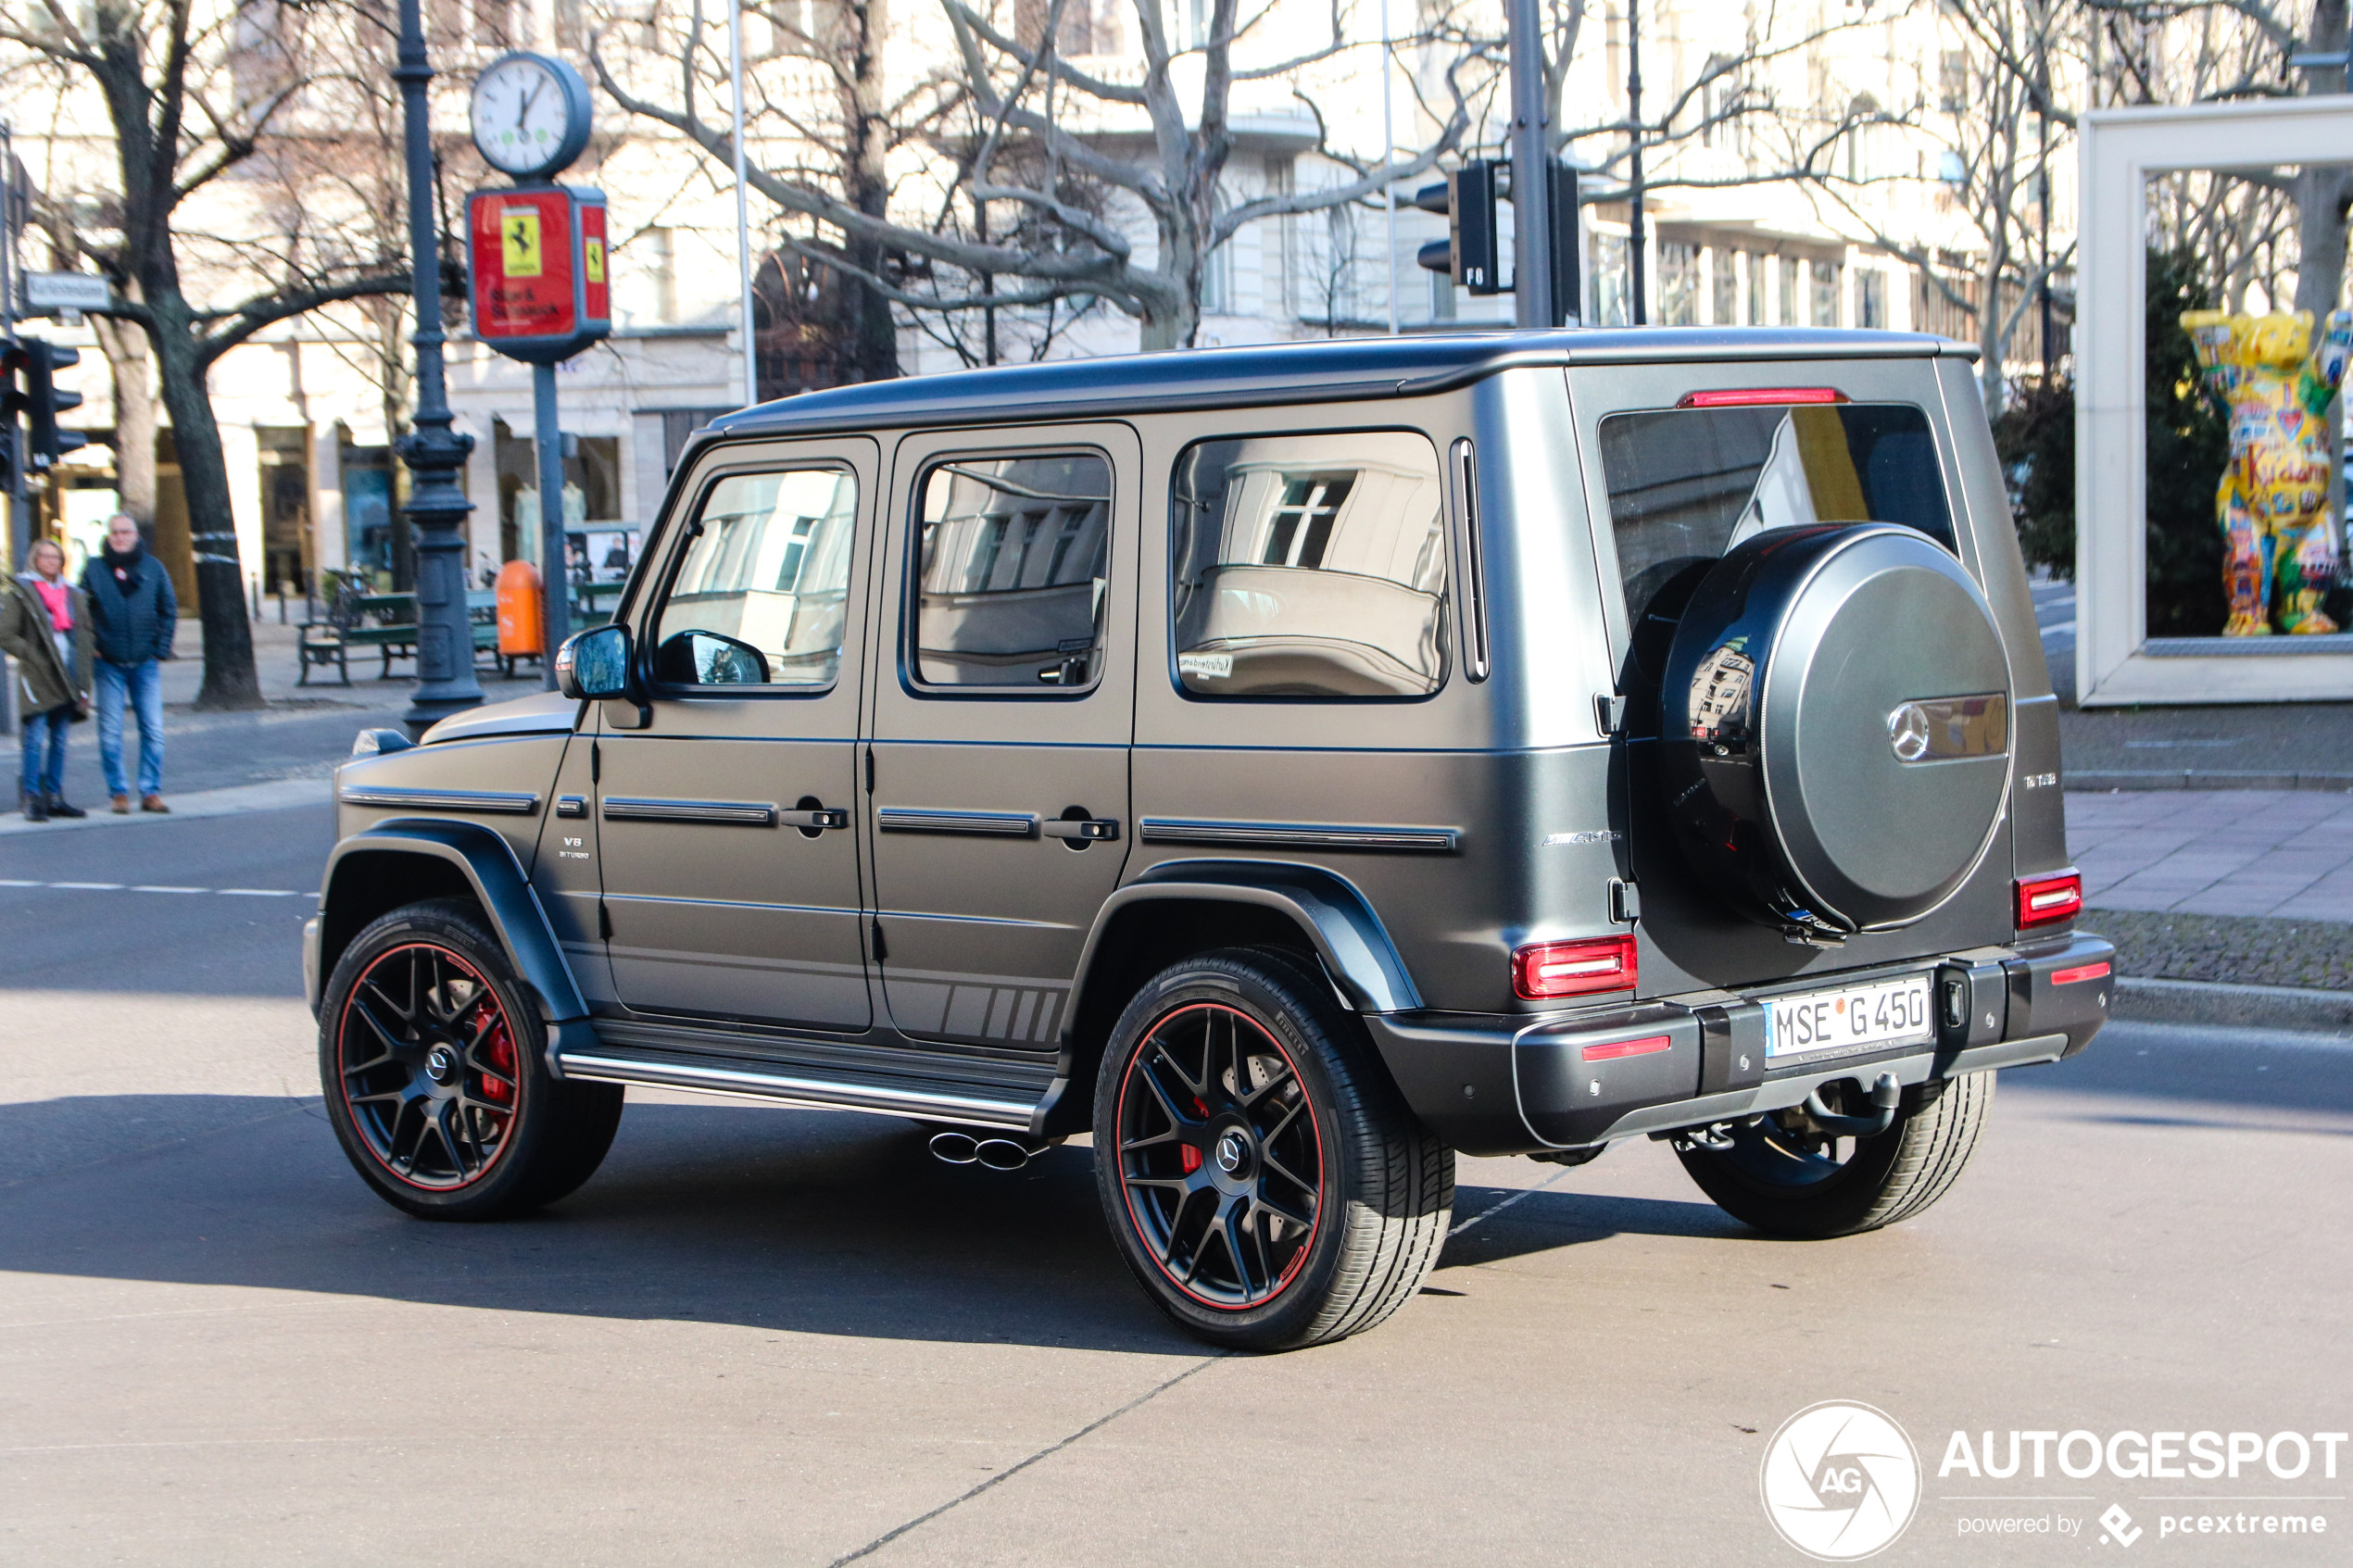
x=1291 y=766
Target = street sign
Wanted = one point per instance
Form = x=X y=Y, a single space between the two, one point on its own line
x=542 y=291
x=67 y=291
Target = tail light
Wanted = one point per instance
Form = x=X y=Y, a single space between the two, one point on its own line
x=2046 y=901
x=1545 y=970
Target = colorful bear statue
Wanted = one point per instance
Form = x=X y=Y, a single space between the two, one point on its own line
x=2280 y=544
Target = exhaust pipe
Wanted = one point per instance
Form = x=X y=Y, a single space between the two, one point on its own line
x=954 y=1149
x=996 y=1153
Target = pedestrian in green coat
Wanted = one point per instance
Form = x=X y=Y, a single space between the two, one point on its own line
x=45 y=626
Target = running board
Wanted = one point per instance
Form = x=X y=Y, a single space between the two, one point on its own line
x=737 y=1075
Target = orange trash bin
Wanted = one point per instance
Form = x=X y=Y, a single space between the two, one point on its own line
x=520 y=625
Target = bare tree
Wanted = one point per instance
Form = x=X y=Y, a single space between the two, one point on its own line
x=1042 y=150
x=189 y=96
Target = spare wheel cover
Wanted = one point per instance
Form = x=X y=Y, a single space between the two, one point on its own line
x=1836 y=728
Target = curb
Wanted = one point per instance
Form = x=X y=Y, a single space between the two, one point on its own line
x=2203 y=778
x=2256 y=1007
x=234 y=800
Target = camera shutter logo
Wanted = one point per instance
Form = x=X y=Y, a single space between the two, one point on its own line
x=1840 y=1481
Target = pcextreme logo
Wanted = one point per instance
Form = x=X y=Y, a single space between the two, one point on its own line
x=1840 y=1481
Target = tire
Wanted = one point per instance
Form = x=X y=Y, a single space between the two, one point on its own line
x=1773 y=1181
x=1333 y=1199
x=433 y=1064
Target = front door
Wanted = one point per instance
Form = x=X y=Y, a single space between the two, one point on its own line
x=1003 y=709
x=727 y=821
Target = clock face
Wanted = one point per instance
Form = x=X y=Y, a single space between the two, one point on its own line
x=524 y=116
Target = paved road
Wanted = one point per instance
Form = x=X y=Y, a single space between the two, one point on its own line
x=786 y=1337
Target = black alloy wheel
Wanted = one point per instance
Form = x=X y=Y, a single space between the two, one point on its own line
x=428 y=1067
x=1261 y=1176
x=433 y=1061
x=1219 y=1155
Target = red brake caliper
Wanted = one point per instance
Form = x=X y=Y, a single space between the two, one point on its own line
x=500 y=1055
x=1187 y=1154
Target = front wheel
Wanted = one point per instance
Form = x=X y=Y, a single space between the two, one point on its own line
x=1259 y=1172
x=1785 y=1177
x=434 y=1064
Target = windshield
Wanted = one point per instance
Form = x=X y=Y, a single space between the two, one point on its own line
x=1687 y=485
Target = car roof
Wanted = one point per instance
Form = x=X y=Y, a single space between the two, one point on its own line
x=1328 y=370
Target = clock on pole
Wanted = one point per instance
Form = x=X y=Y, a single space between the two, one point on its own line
x=541 y=290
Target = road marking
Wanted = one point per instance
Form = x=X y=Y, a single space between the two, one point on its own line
x=119 y=888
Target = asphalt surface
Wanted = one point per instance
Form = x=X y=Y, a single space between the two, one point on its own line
x=789 y=1336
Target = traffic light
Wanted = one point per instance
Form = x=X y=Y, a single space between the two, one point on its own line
x=12 y=363
x=45 y=443
x=1471 y=251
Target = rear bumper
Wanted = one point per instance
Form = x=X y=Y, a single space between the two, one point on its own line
x=1497 y=1085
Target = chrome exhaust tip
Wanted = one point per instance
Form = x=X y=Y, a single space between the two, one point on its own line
x=956 y=1148
x=1003 y=1154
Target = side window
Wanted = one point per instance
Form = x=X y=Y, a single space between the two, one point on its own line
x=1010 y=561
x=757 y=598
x=1310 y=566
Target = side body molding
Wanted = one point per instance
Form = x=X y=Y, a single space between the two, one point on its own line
x=1325 y=905
x=488 y=863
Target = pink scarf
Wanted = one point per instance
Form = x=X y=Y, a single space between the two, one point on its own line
x=60 y=604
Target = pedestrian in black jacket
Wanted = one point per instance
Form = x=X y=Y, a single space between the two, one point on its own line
x=134 y=612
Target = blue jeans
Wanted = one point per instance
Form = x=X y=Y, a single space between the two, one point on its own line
x=44 y=750
x=143 y=684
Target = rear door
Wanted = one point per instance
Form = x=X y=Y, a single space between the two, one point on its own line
x=1001 y=719
x=1682 y=461
x=726 y=823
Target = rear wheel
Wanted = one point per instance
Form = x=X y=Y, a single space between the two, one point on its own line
x=433 y=1065
x=1260 y=1174
x=1786 y=1178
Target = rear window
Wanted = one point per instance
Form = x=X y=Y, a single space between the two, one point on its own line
x=1687 y=485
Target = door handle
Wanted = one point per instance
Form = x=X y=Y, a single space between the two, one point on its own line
x=820 y=817
x=1085 y=830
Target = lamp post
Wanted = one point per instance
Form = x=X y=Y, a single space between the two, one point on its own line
x=433 y=452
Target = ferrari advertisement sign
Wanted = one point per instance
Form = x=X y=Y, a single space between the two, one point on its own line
x=541 y=289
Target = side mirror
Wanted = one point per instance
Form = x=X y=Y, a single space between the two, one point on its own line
x=594 y=665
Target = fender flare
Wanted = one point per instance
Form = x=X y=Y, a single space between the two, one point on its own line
x=1327 y=907
x=488 y=861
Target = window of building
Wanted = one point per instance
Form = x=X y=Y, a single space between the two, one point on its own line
x=1756 y=289
x=1786 y=271
x=1725 y=285
x=1309 y=566
x=1678 y=283
x=1870 y=297
x=1011 y=557
x=1825 y=309
x=1612 y=285
x=757 y=597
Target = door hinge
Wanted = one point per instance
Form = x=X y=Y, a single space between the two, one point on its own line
x=596 y=763
x=1625 y=901
x=604 y=922
x=1609 y=713
x=870 y=770
x=882 y=948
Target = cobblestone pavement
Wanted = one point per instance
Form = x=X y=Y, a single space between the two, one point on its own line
x=2283 y=853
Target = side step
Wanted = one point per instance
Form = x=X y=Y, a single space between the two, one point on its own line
x=924 y=1098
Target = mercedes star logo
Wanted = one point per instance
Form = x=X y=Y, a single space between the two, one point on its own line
x=1229 y=1153
x=1907 y=731
x=441 y=1065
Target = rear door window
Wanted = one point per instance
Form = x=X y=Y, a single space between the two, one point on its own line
x=1012 y=554
x=1309 y=566
x=1686 y=485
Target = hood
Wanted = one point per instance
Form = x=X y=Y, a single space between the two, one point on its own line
x=542 y=713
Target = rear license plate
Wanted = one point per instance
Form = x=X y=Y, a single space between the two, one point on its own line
x=1852 y=1018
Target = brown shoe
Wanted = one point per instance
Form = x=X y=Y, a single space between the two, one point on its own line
x=154 y=803
x=123 y=804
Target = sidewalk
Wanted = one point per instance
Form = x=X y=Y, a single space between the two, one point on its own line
x=302 y=735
